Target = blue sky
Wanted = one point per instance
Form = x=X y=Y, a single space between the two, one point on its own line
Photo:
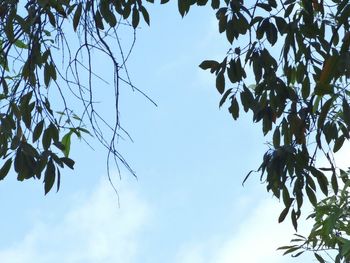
x=188 y=204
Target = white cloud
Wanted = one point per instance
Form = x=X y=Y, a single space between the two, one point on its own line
x=93 y=230
x=254 y=240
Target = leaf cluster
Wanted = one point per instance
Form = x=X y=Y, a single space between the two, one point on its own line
x=35 y=137
x=298 y=53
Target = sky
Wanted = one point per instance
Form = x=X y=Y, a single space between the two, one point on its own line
x=187 y=204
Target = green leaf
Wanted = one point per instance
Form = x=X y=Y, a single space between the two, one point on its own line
x=135 y=17
x=276 y=138
x=21 y=44
x=305 y=89
x=291 y=250
x=145 y=15
x=271 y=34
x=66 y=140
x=107 y=14
x=58 y=180
x=283 y=214
x=286 y=197
x=202 y=2
x=338 y=143
x=47 y=75
x=346 y=247
x=334 y=183
x=264 y=6
x=183 y=7
x=209 y=64
x=324 y=112
x=77 y=16
x=224 y=97
x=234 y=108
x=67 y=161
x=319 y=258
x=50 y=174
x=53 y=73
x=215 y=4
x=220 y=82
x=98 y=20
x=46 y=139
x=5 y=169
x=38 y=130
x=321 y=179
x=294 y=218
x=311 y=195
x=346 y=113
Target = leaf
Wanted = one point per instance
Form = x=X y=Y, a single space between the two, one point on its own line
x=66 y=140
x=276 y=138
x=53 y=71
x=220 y=82
x=54 y=133
x=50 y=175
x=230 y=31
x=327 y=73
x=338 y=143
x=324 y=111
x=98 y=20
x=145 y=15
x=311 y=195
x=209 y=64
x=234 y=108
x=201 y=2
x=224 y=97
x=291 y=250
x=264 y=6
x=305 y=89
x=67 y=161
x=135 y=17
x=346 y=112
x=58 y=180
x=346 y=247
x=107 y=14
x=334 y=183
x=288 y=10
x=283 y=214
x=5 y=168
x=271 y=34
x=286 y=197
x=298 y=254
x=38 y=130
x=319 y=258
x=77 y=16
x=21 y=44
x=183 y=7
x=46 y=139
x=281 y=24
x=47 y=76
x=294 y=218
x=321 y=179
x=215 y=4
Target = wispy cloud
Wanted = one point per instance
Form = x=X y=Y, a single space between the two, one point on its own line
x=254 y=240
x=94 y=230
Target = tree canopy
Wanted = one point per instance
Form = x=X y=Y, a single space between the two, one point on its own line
x=297 y=51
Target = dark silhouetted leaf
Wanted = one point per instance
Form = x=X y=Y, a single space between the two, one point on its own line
x=220 y=82
x=50 y=175
x=5 y=169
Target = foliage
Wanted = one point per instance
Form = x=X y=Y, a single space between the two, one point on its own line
x=330 y=231
x=35 y=137
x=297 y=51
